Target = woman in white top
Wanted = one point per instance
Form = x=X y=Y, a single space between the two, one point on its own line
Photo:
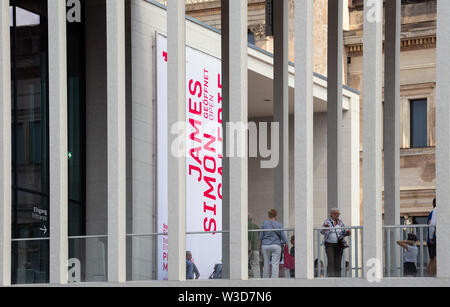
x=410 y=255
x=335 y=233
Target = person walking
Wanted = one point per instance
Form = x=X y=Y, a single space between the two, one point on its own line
x=335 y=242
x=253 y=249
x=410 y=255
x=272 y=243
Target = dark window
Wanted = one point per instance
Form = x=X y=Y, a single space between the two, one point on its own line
x=419 y=123
x=30 y=205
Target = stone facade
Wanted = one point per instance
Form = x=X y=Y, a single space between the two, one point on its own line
x=418 y=81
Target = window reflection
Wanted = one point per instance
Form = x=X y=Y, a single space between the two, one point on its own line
x=26 y=18
x=30 y=206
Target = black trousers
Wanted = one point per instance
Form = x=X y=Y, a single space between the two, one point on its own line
x=334 y=255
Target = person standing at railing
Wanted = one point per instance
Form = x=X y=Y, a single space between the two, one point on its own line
x=431 y=242
x=335 y=243
x=411 y=252
x=272 y=243
x=254 y=245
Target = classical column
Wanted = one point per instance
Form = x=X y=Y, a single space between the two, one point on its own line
x=115 y=27
x=372 y=127
x=176 y=109
x=443 y=139
x=281 y=106
x=59 y=197
x=235 y=118
x=392 y=121
x=304 y=139
x=334 y=105
x=5 y=146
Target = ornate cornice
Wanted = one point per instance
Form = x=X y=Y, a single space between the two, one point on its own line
x=416 y=43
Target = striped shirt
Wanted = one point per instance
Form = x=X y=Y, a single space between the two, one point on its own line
x=335 y=232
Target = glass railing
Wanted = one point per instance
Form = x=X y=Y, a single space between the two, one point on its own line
x=88 y=260
x=30 y=261
x=147 y=257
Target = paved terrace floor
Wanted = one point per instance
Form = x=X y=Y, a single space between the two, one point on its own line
x=269 y=283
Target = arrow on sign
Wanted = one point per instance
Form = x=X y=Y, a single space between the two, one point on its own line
x=44 y=229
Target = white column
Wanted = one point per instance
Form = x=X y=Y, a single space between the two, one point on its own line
x=5 y=146
x=59 y=248
x=176 y=35
x=238 y=162
x=372 y=127
x=304 y=139
x=392 y=121
x=225 y=24
x=334 y=128
x=281 y=106
x=115 y=23
x=443 y=139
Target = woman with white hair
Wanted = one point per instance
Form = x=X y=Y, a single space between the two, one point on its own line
x=335 y=242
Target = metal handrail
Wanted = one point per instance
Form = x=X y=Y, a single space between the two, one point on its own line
x=393 y=265
x=353 y=255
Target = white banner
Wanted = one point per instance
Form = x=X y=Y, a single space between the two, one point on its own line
x=203 y=162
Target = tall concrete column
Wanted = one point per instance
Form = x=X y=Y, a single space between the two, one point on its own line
x=281 y=106
x=115 y=27
x=443 y=139
x=225 y=24
x=304 y=139
x=59 y=195
x=176 y=109
x=372 y=127
x=5 y=146
x=334 y=128
x=235 y=118
x=392 y=121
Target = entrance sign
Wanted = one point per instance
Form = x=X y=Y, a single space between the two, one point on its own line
x=203 y=159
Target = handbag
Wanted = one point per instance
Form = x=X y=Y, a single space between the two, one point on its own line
x=342 y=243
x=289 y=262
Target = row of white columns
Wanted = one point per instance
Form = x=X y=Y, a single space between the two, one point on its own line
x=234 y=52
